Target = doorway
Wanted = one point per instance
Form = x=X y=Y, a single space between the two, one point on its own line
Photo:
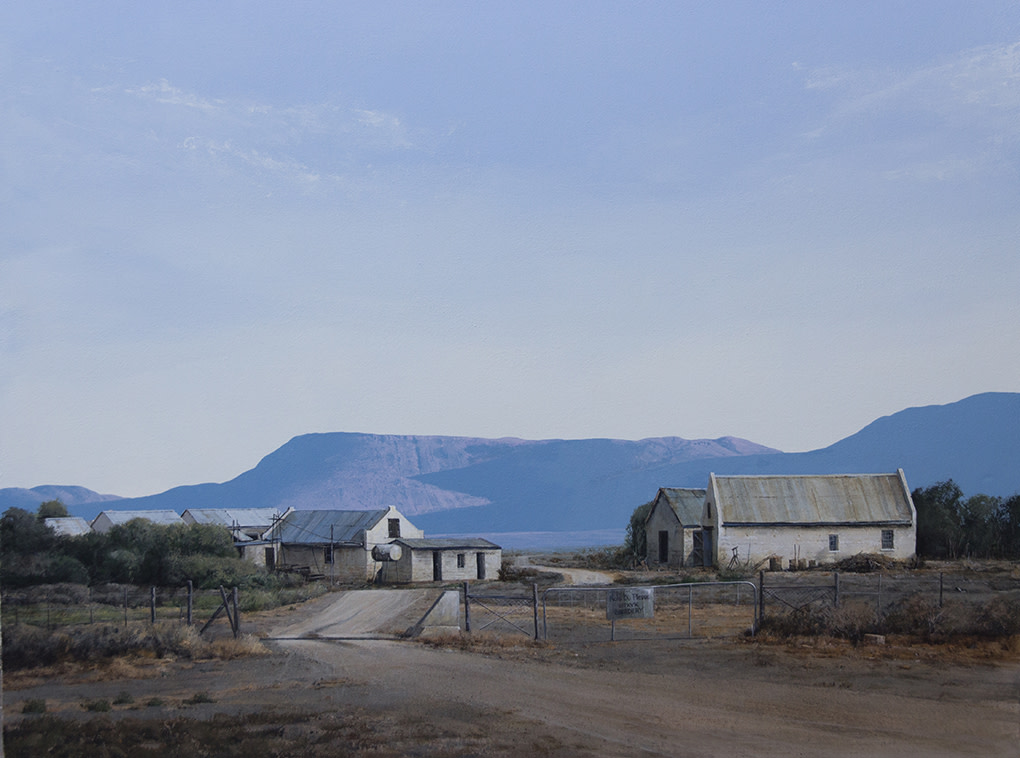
x=663 y=546
x=437 y=566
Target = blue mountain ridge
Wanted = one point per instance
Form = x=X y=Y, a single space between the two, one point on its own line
x=459 y=484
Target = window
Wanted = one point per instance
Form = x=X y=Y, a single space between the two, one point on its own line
x=887 y=539
x=327 y=554
x=460 y=560
x=394 y=526
x=833 y=542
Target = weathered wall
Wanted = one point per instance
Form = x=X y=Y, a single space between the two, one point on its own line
x=661 y=519
x=810 y=543
x=416 y=566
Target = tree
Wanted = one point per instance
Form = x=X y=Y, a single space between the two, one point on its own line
x=939 y=519
x=636 y=541
x=52 y=509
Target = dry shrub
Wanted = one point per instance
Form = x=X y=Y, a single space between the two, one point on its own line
x=29 y=647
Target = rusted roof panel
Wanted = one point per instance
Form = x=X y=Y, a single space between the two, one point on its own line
x=313 y=527
x=242 y=517
x=832 y=499
x=686 y=503
x=447 y=543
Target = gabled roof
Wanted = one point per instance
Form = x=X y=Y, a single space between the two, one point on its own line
x=832 y=499
x=686 y=504
x=68 y=526
x=313 y=527
x=447 y=543
x=229 y=517
x=156 y=517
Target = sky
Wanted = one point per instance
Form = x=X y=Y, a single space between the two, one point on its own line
x=226 y=224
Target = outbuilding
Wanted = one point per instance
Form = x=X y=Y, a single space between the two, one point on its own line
x=443 y=559
x=673 y=528
x=747 y=520
x=244 y=523
x=68 y=526
x=106 y=520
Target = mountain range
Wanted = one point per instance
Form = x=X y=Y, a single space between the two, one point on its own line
x=462 y=484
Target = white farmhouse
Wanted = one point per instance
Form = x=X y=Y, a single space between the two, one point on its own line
x=748 y=519
x=330 y=543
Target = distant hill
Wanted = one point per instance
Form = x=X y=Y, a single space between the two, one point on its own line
x=461 y=484
x=29 y=499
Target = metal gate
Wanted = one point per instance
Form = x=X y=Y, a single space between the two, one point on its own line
x=679 y=611
x=501 y=613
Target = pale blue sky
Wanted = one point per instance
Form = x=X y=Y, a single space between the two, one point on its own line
x=226 y=224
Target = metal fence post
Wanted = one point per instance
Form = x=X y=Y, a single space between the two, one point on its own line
x=835 y=589
x=940 y=589
x=191 y=600
x=237 y=616
x=467 y=609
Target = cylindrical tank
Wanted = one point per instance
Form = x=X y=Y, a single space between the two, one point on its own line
x=388 y=552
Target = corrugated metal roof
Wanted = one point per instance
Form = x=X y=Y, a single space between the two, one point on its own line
x=831 y=499
x=448 y=543
x=686 y=503
x=242 y=517
x=156 y=517
x=68 y=526
x=313 y=527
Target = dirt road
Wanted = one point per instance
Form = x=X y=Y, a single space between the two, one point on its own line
x=668 y=698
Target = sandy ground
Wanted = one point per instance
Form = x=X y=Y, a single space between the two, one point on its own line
x=669 y=698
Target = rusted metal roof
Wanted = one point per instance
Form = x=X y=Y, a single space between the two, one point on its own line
x=68 y=526
x=831 y=499
x=685 y=502
x=229 y=517
x=115 y=518
x=314 y=527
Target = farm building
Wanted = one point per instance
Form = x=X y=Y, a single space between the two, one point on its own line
x=673 y=527
x=330 y=543
x=68 y=526
x=748 y=519
x=443 y=559
x=106 y=520
x=244 y=523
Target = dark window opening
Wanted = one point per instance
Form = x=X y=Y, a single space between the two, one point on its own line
x=394 y=526
x=888 y=541
x=327 y=554
x=460 y=560
x=833 y=542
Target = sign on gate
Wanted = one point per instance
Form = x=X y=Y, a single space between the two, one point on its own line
x=630 y=603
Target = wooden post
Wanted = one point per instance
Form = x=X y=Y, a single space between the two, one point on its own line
x=835 y=589
x=940 y=589
x=152 y=605
x=467 y=609
x=191 y=601
x=534 y=602
x=125 y=606
x=237 y=617
x=761 y=596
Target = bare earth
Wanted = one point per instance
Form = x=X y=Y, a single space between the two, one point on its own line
x=669 y=698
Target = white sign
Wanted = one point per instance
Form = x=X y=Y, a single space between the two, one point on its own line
x=630 y=603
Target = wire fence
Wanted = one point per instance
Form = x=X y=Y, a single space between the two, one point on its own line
x=57 y=606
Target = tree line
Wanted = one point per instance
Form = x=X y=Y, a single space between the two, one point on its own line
x=138 y=552
x=950 y=525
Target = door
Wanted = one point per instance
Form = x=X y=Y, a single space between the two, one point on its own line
x=270 y=558
x=437 y=566
x=663 y=546
x=707 y=547
x=480 y=558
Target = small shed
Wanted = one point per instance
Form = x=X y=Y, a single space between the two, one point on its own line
x=749 y=519
x=673 y=526
x=443 y=559
x=330 y=543
x=106 y=520
x=68 y=526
